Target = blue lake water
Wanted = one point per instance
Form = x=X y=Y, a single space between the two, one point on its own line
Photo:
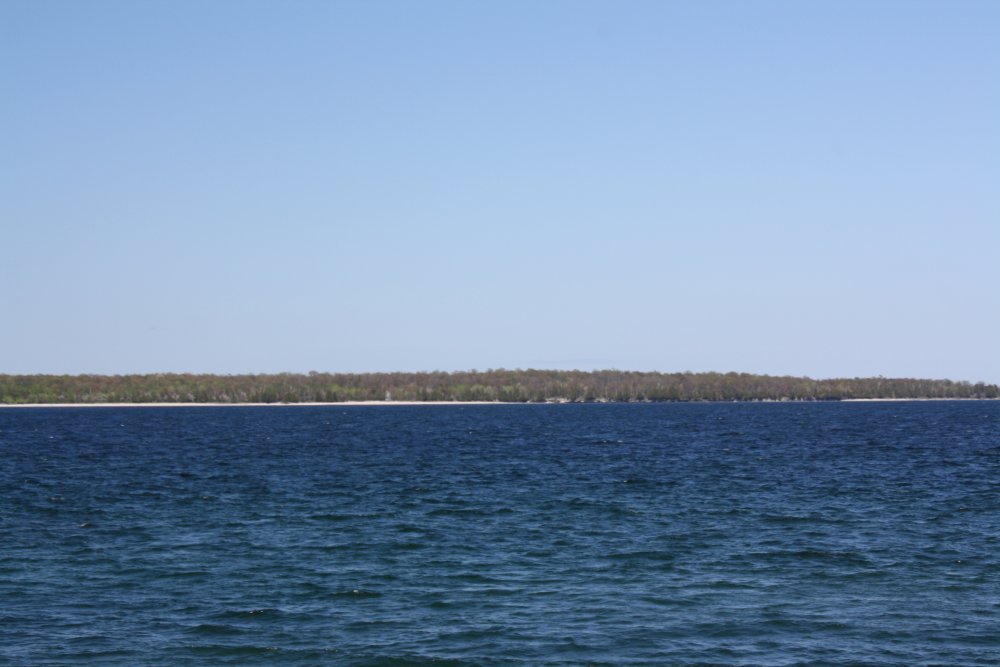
x=662 y=534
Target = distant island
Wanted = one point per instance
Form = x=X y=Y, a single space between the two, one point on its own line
x=504 y=386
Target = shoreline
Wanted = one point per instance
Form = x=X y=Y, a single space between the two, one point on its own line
x=349 y=404
x=248 y=405
x=252 y=405
x=899 y=400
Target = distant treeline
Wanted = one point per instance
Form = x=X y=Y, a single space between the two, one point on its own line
x=511 y=386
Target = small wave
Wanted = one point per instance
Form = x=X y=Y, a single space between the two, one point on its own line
x=333 y=517
x=99 y=654
x=474 y=633
x=474 y=578
x=454 y=511
x=863 y=572
x=725 y=584
x=232 y=650
x=657 y=556
x=407 y=661
x=356 y=593
x=499 y=591
x=411 y=528
x=783 y=519
x=215 y=629
x=185 y=574
x=325 y=548
x=661 y=601
x=254 y=614
x=408 y=545
x=441 y=604
x=543 y=553
x=374 y=625
x=851 y=557
x=804 y=625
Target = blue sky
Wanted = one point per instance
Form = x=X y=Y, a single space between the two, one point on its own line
x=810 y=188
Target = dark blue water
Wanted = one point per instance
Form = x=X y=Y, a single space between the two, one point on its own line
x=676 y=534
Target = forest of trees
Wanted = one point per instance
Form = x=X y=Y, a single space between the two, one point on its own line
x=512 y=386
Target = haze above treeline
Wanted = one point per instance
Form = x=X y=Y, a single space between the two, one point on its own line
x=508 y=386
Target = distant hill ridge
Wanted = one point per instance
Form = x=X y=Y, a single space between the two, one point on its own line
x=509 y=386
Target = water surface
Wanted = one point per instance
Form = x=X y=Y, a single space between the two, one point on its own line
x=663 y=534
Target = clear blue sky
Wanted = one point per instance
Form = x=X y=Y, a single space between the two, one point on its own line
x=810 y=188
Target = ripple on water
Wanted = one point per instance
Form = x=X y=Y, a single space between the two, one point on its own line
x=835 y=534
x=215 y=629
